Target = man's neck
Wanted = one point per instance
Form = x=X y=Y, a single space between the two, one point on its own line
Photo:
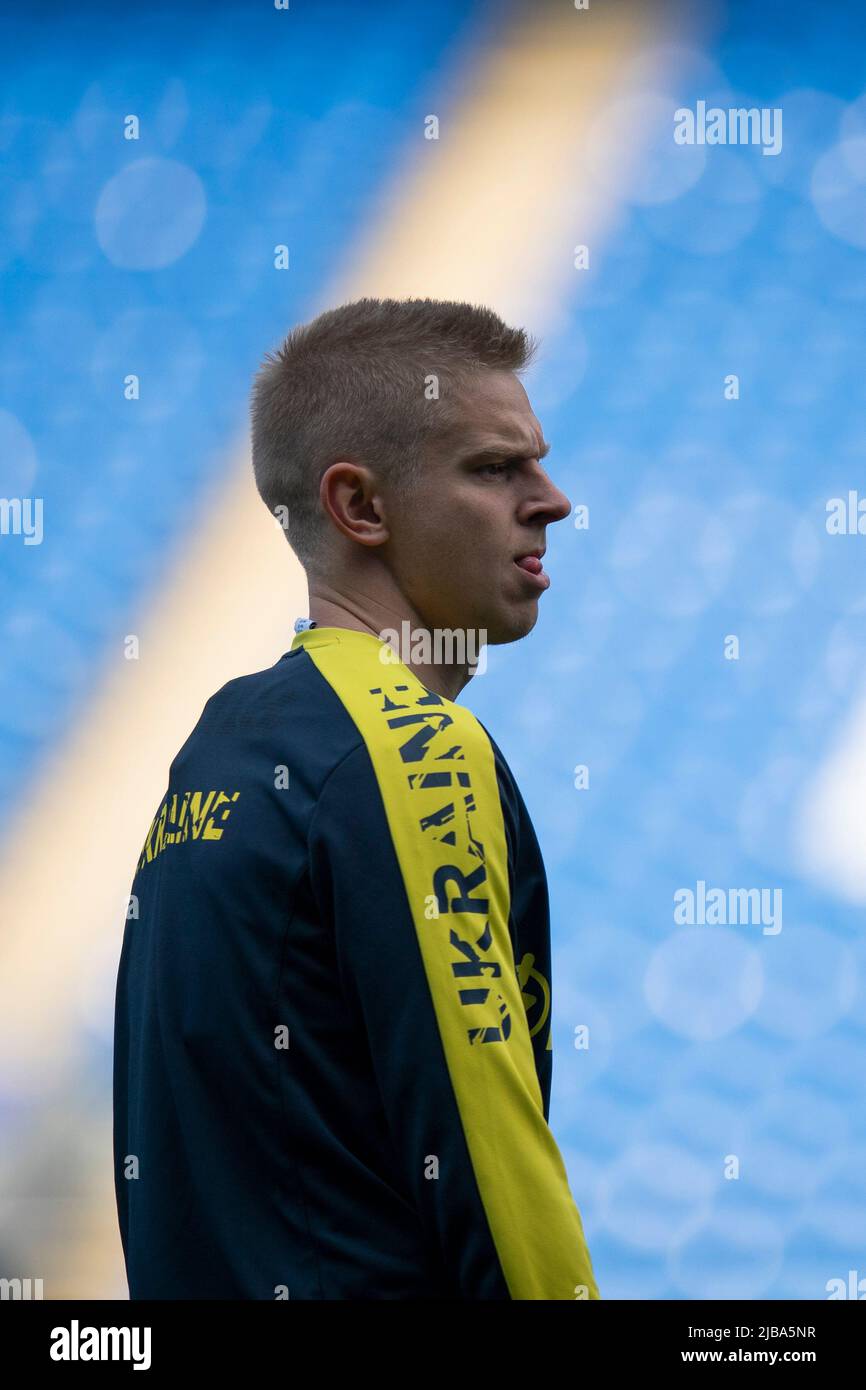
x=329 y=608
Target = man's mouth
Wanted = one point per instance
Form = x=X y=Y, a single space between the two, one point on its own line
x=531 y=565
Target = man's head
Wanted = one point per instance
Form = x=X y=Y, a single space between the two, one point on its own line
x=398 y=447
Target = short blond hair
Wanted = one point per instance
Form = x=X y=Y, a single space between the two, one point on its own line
x=353 y=384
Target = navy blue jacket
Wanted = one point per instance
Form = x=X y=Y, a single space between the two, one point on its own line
x=332 y=1037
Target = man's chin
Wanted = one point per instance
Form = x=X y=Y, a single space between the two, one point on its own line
x=511 y=626
x=507 y=623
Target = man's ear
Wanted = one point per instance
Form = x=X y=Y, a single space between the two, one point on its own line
x=350 y=497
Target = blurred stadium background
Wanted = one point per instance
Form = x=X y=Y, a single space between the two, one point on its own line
x=305 y=128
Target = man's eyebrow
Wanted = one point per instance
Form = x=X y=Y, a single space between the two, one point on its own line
x=492 y=453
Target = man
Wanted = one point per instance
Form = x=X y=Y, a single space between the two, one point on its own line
x=333 y=1049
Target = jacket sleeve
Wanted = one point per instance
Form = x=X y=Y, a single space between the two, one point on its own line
x=410 y=872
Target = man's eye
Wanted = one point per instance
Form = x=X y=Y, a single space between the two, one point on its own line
x=495 y=468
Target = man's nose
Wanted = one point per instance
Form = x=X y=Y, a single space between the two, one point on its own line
x=562 y=505
x=552 y=501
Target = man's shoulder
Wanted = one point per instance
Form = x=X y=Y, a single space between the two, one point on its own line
x=286 y=709
x=254 y=697
x=503 y=767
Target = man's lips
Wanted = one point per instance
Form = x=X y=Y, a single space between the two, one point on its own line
x=534 y=570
